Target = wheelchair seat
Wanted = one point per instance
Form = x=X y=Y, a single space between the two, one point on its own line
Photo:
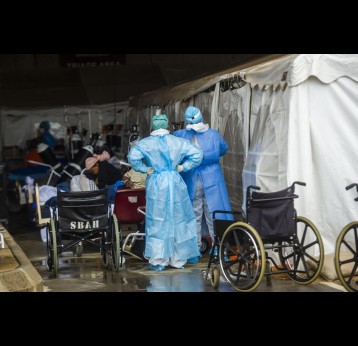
x=126 y=204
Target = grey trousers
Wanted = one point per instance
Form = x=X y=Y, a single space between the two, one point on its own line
x=201 y=207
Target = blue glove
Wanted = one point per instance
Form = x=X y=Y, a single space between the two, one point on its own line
x=118 y=184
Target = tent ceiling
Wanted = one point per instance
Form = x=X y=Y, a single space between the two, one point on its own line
x=185 y=90
x=91 y=86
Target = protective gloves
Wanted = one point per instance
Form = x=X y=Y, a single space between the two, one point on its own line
x=180 y=168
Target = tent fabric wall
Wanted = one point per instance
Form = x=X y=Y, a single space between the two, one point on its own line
x=322 y=152
x=319 y=111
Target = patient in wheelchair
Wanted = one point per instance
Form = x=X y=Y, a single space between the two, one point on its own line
x=99 y=173
x=103 y=173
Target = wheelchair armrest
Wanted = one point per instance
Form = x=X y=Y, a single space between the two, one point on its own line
x=226 y=212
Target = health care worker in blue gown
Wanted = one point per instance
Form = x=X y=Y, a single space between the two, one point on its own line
x=46 y=136
x=206 y=183
x=170 y=222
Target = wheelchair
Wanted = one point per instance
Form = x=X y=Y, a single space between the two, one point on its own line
x=129 y=207
x=241 y=249
x=83 y=217
x=346 y=253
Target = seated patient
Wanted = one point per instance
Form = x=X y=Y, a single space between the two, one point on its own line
x=134 y=180
x=104 y=174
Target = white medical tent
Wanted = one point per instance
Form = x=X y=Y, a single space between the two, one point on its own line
x=292 y=118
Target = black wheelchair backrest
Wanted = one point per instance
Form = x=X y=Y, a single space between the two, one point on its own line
x=83 y=211
x=272 y=214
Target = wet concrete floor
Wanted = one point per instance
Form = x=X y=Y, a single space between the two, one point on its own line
x=87 y=273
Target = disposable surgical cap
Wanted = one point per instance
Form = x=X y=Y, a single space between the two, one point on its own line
x=159 y=121
x=45 y=125
x=193 y=115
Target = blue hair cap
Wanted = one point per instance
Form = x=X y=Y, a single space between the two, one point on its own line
x=193 y=115
x=159 y=121
x=45 y=125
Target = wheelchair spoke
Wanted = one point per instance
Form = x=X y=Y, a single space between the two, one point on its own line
x=349 y=247
x=353 y=273
x=304 y=235
x=296 y=261
x=306 y=267
x=238 y=243
x=239 y=273
x=232 y=250
x=285 y=258
x=347 y=261
x=311 y=257
x=310 y=244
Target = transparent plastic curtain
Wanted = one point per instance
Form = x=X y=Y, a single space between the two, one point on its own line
x=170 y=110
x=138 y=116
x=266 y=162
x=229 y=121
x=175 y=111
x=215 y=107
x=204 y=102
x=231 y=126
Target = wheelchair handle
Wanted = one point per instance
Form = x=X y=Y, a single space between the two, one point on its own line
x=299 y=183
x=253 y=187
x=351 y=185
x=248 y=191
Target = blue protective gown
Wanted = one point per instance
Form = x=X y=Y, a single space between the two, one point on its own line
x=171 y=230
x=48 y=139
x=213 y=146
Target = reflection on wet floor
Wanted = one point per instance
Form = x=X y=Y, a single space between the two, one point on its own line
x=87 y=274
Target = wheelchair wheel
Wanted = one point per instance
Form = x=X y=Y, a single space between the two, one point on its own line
x=242 y=257
x=49 y=262
x=117 y=256
x=52 y=253
x=215 y=276
x=205 y=246
x=104 y=250
x=347 y=246
x=304 y=255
